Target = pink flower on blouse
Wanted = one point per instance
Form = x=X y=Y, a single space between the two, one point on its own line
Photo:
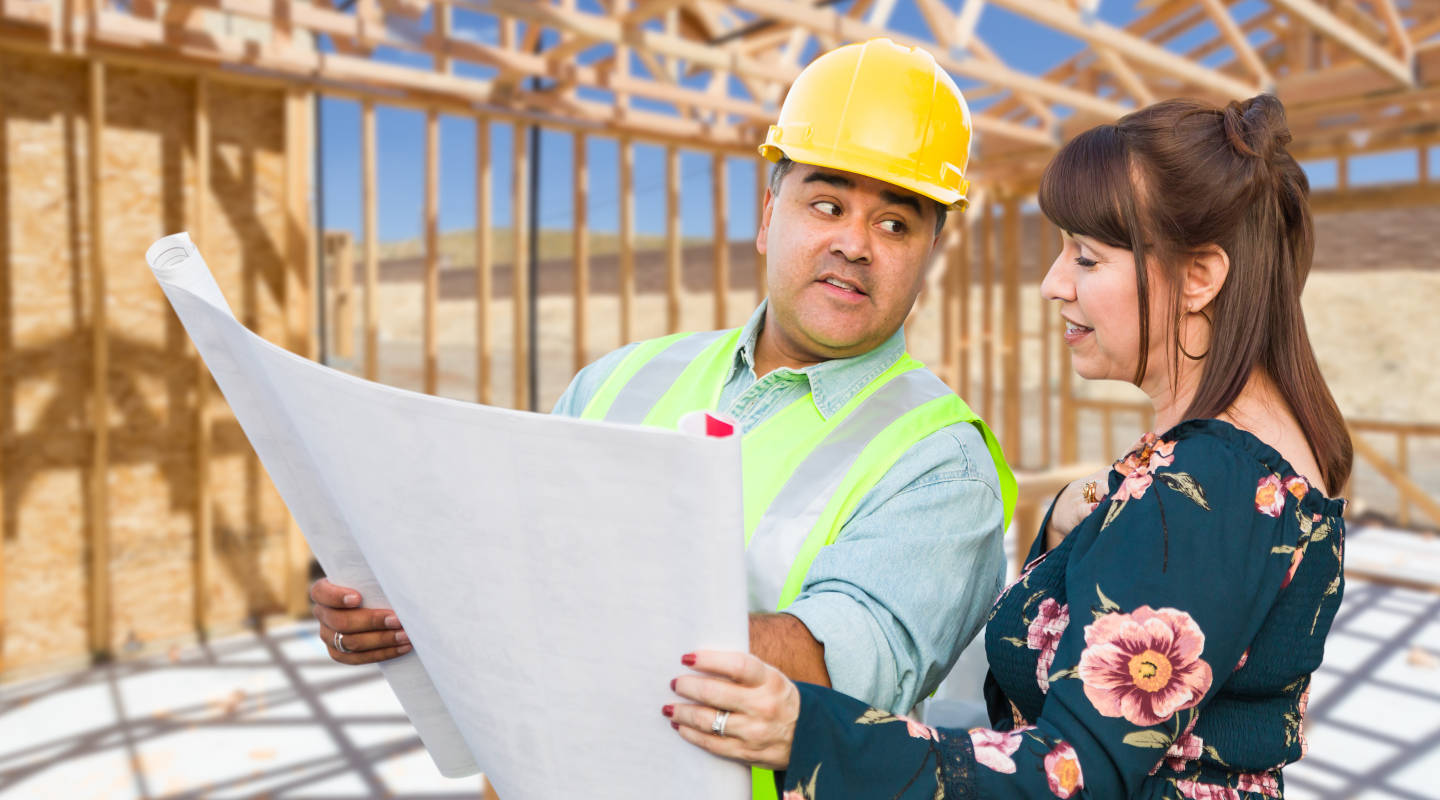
x=1133 y=486
x=1261 y=782
x=1062 y=771
x=1297 y=486
x=1150 y=454
x=919 y=730
x=1300 y=720
x=994 y=748
x=1045 y=632
x=1295 y=559
x=1144 y=666
x=1245 y=656
x=1185 y=749
x=1270 y=496
x=1195 y=790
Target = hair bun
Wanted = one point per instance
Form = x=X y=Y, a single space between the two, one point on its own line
x=1257 y=127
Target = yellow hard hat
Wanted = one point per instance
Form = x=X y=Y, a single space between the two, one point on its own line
x=880 y=110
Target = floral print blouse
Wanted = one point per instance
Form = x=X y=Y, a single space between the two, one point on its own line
x=1163 y=650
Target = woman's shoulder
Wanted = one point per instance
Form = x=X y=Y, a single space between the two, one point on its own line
x=1238 y=458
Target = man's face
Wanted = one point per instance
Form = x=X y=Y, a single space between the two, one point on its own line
x=845 y=257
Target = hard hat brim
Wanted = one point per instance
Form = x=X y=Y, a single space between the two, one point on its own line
x=953 y=199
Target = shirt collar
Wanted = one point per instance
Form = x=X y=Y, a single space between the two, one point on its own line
x=833 y=383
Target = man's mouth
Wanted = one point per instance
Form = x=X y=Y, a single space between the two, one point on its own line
x=839 y=284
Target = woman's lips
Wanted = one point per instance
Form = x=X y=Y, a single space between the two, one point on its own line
x=1074 y=332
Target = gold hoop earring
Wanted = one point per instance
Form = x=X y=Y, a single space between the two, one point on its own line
x=1181 y=345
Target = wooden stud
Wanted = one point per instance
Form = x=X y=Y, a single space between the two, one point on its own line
x=672 y=240
x=1047 y=360
x=484 y=258
x=344 y=312
x=987 y=311
x=720 y=207
x=627 y=240
x=204 y=513
x=762 y=179
x=300 y=333
x=949 y=335
x=1069 y=452
x=581 y=266
x=370 y=317
x=100 y=373
x=962 y=301
x=431 y=300
x=1010 y=437
x=1422 y=162
x=1402 y=463
x=1342 y=171
x=520 y=263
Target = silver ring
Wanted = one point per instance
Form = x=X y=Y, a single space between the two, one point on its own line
x=339 y=642
x=717 y=727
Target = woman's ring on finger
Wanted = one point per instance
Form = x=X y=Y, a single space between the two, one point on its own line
x=339 y=642
x=718 y=726
x=1087 y=492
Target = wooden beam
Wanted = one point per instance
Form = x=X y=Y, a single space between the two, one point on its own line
x=1407 y=488
x=484 y=261
x=99 y=495
x=1395 y=29
x=1244 y=52
x=987 y=311
x=431 y=298
x=370 y=316
x=204 y=515
x=627 y=240
x=1125 y=76
x=965 y=22
x=1326 y=23
x=719 y=204
x=1047 y=359
x=828 y=22
x=673 y=263
x=441 y=14
x=580 y=268
x=1011 y=440
x=520 y=264
x=964 y=343
x=1141 y=51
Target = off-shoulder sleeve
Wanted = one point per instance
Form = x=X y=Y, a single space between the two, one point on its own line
x=1166 y=590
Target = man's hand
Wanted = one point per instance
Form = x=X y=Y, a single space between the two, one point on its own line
x=369 y=634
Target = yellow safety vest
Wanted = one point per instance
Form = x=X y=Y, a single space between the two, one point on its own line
x=803 y=474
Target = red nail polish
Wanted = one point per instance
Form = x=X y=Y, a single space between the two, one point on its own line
x=675 y=725
x=668 y=711
x=688 y=659
x=672 y=683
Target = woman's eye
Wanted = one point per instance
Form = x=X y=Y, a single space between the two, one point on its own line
x=827 y=207
x=893 y=225
x=1085 y=262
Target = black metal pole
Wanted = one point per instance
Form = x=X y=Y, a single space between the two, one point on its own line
x=533 y=334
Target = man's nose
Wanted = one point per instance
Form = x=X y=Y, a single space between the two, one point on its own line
x=852 y=240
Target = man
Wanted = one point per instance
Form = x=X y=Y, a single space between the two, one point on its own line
x=875 y=500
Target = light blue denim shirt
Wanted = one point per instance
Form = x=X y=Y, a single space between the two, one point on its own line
x=910 y=578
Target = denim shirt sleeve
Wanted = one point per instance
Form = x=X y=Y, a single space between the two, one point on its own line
x=909 y=580
x=588 y=381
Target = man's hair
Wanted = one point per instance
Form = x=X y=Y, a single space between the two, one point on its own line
x=778 y=172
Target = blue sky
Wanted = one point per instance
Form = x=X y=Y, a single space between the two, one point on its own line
x=400 y=135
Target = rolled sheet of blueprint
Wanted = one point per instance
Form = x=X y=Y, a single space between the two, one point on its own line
x=549 y=571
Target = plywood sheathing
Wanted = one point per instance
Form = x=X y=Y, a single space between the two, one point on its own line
x=148 y=170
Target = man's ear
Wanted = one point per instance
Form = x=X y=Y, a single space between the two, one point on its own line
x=762 y=232
x=1205 y=272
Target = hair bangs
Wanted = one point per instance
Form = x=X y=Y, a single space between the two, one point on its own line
x=1086 y=189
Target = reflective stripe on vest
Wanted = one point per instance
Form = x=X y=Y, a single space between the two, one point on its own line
x=640 y=394
x=795 y=511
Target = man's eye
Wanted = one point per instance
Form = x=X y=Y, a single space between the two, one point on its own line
x=827 y=207
x=893 y=226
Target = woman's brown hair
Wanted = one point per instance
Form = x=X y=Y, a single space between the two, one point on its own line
x=1177 y=176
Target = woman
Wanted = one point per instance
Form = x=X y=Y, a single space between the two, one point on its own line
x=1160 y=642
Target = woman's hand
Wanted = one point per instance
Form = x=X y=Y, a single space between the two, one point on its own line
x=1072 y=506
x=763 y=706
